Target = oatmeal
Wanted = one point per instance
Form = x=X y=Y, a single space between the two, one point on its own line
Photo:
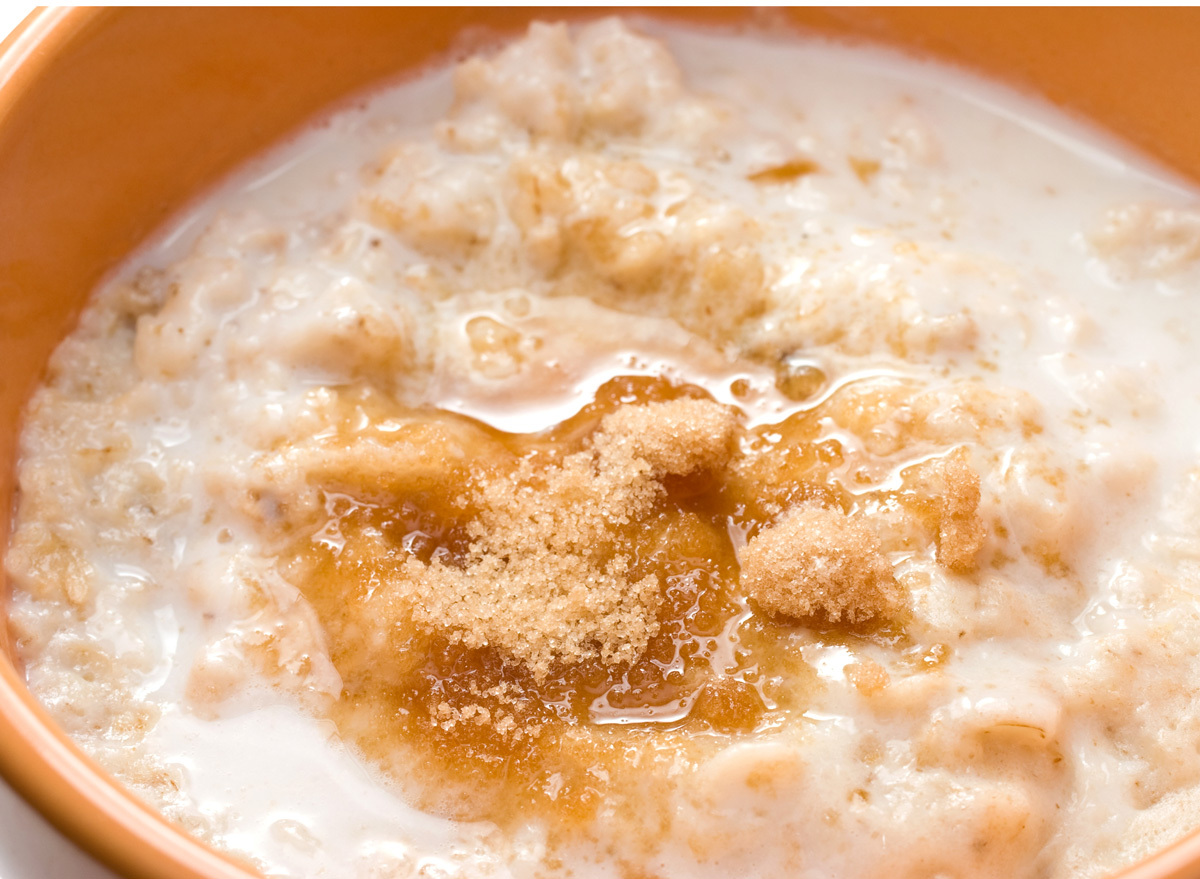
x=636 y=451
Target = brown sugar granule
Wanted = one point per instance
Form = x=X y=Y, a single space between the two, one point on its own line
x=951 y=486
x=728 y=705
x=547 y=579
x=785 y=173
x=817 y=562
x=676 y=438
x=867 y=676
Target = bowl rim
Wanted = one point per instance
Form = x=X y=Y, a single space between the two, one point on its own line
x=53 y=774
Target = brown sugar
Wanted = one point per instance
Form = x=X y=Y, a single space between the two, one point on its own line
x=950 y=492
x=676 y=438
x=818 y=562
x=546 y=579
x=867 y=676
x=728 y=705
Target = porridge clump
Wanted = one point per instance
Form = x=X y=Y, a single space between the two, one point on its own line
x=637 y=451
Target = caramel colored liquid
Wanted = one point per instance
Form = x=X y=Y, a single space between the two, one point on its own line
x=493 y=742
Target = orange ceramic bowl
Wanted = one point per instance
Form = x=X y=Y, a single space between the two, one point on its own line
x=111 y=119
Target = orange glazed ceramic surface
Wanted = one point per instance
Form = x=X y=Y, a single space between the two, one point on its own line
x=97 y=148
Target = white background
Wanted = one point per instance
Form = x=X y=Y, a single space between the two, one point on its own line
x=11 y=15
x=29 y=847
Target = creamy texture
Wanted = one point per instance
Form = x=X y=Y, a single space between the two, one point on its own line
x=972 y=315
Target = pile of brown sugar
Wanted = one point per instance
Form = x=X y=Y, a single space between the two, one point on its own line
x=817 y=562
x=547 y=579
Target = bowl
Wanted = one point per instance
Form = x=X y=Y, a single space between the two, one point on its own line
x=111 y=119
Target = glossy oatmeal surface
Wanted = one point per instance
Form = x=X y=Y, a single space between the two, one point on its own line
x=640 y=452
